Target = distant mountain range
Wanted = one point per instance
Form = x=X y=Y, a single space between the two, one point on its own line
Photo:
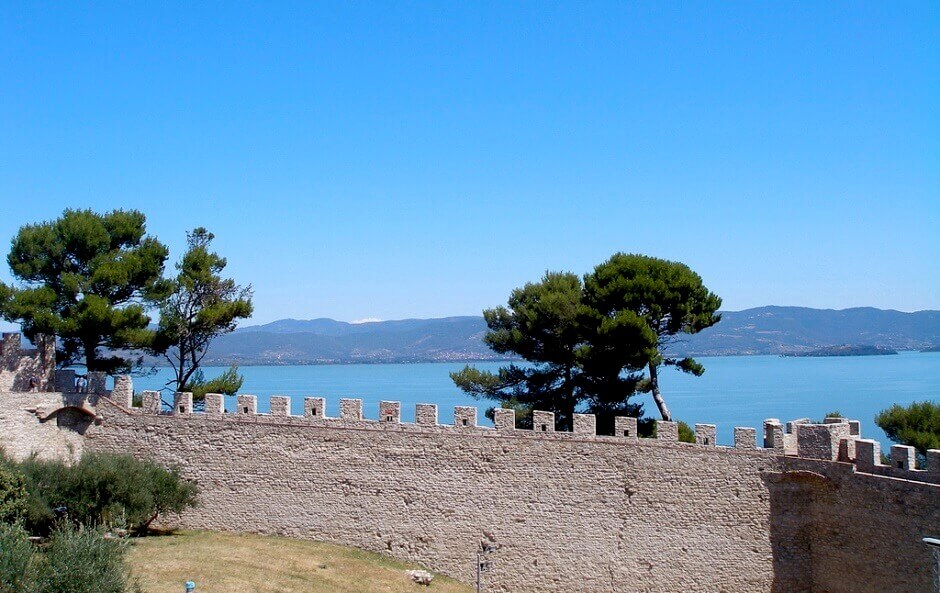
x=784 y=330
x=326 y=341
x=764 y=330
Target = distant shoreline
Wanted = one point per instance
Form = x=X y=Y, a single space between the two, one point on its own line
x=221 y=364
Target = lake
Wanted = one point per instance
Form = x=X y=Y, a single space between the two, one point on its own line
x=734 y=391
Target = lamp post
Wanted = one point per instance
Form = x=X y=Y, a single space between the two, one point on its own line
x=934 y=544
x=484 y=564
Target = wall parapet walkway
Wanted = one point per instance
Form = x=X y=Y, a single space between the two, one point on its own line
x=835 y=439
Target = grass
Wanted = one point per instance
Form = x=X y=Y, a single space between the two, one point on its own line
x=234 y=563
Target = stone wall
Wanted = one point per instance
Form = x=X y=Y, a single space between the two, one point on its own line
x=30 y=423
x=26 y=369
x=567 y=511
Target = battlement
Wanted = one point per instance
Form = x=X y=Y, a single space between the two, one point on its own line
x=23 y=369
x=793 y=512
x=835 y=440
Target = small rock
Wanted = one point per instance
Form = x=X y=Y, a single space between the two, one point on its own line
x=421 y=577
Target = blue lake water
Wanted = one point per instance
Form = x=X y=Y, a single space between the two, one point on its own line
x=734 y=391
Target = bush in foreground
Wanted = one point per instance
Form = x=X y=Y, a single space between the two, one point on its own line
x=82 y=560
x=75 y=560
x=16 y=553
x=103 y=489
x=14 y=498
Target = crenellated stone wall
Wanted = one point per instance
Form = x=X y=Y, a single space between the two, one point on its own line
x=566 y=511
x=26 y=369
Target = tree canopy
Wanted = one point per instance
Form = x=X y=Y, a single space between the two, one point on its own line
x=89 y=279
x=201 y=307
x=659 y=299
x=544 y=323
x=916 y=425
x=586 y=343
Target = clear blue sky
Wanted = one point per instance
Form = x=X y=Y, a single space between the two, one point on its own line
x=383 y=160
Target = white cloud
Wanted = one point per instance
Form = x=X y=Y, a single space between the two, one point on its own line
x=365 y=320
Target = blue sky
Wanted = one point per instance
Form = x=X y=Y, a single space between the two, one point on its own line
x=381 y=160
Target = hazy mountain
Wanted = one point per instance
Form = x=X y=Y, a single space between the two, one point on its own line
x=292 y=341
x=779 y=330
x=764 y=330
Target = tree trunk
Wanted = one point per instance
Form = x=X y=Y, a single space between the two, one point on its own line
x=91 y=360
x=180 y=379
x=570 y=403
x=657 y=396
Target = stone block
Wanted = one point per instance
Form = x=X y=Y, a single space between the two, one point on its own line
x=279 y=406
x=933 y=462
x=706 y=434
x=773 y=435
x=151 y=403
x=667 y=431
x=821 y=441
x=465 y=416
x=390 y=412
x=792 y=425
x=847 y=449
x=585 y=424
x=182 y=403
x=625 y=427
x=350 y=409
x=247 y=404
x=426 y=414
x=745 y=437
x=215 y=404
x=123 y=392
x=504 y=419
x=543 y=421
x=903 y=457
x=867 y=454
x=315 y=407
x=855 y=428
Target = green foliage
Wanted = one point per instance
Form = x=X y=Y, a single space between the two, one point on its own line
x=916 y=425
x=228 y=383
x=835 y=414
x=646 y=428
x=586 y=344
x=686 y=434
x=104 y=489
x=88 y=278
x=82 y=560
x=16 y=560
x=655 y=300
x=14 y=498
x=76 y=560
x=202 y=306
x=546 y=324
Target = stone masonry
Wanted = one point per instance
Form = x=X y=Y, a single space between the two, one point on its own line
x=27 y=370
x=566 y=511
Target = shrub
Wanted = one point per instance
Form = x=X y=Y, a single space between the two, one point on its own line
x=686 y=434
x=104 y=489
x=14 y=498
x=82 y=560
x=16 y=570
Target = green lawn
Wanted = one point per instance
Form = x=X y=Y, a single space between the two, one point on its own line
x=232 y=563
